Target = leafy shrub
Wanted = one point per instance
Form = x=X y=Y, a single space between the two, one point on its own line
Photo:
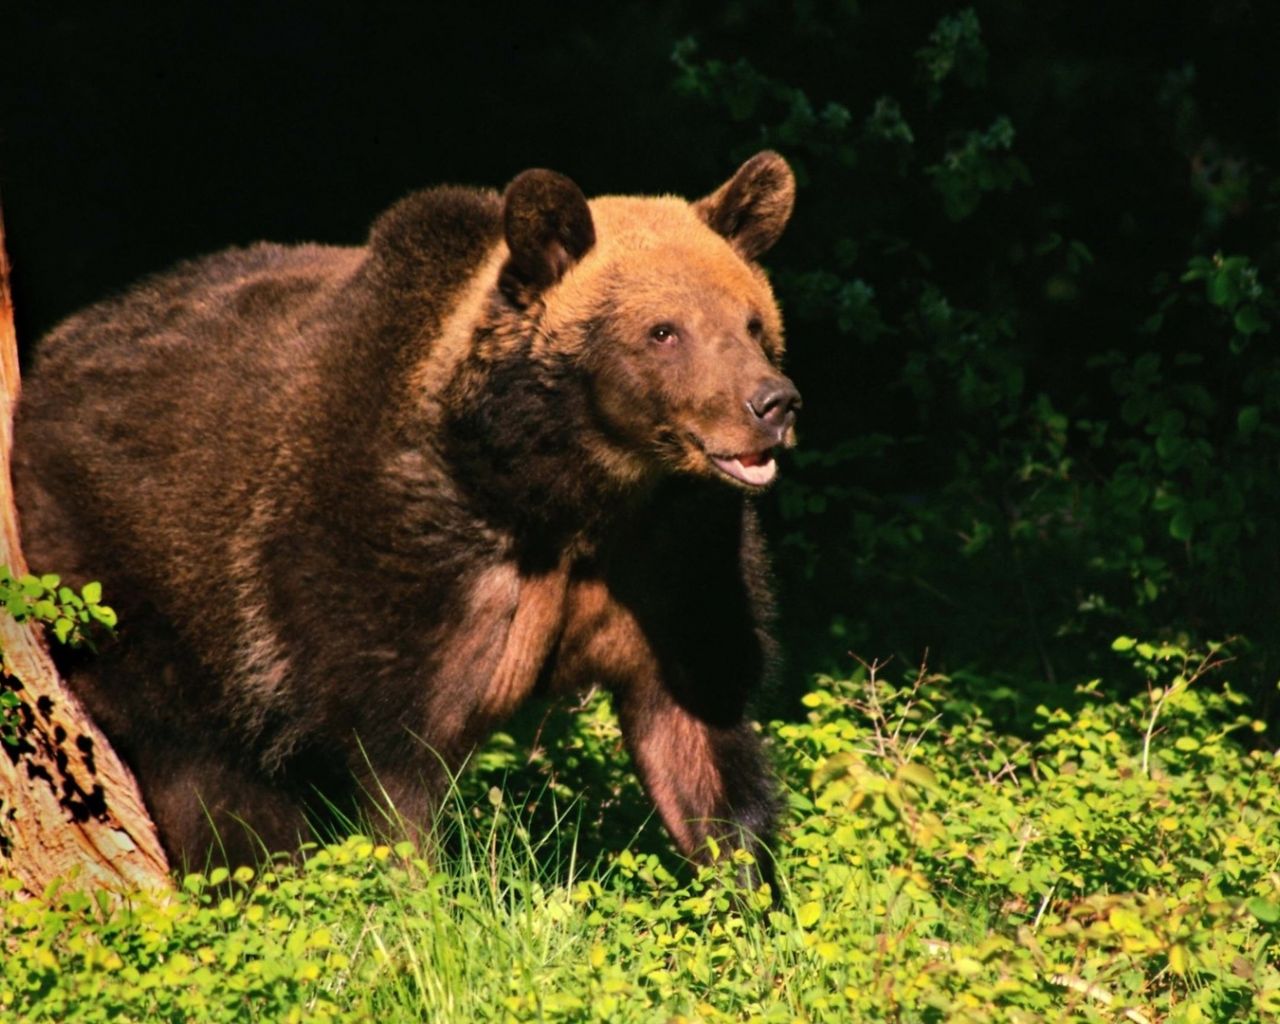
x=1031 y=293
x=1110 y=862
x=1120 y=862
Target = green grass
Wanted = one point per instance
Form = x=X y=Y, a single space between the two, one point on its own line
x=1121 y=862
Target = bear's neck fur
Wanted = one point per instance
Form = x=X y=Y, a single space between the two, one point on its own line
x=513 y=438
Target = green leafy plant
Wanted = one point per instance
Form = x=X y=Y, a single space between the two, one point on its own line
x=72 y=617
x=1026 y=422
x=45 y=599
x=1117 y=864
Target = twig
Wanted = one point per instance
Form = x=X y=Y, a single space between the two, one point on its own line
x=1092 y=990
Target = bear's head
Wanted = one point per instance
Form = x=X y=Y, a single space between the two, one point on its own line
x=668 y=323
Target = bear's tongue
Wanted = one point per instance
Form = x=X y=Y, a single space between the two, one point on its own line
x=754 y=468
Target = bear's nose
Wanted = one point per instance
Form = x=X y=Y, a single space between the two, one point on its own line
x=775 y=402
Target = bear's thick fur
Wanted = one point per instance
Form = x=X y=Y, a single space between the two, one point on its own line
x=354 y=505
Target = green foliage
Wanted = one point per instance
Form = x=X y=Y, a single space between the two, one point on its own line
x=1040 y=394
x=1118 y=860
x=975 y=167
x=45 y=599
x=1122 y=860
x=72 y=617
x=955 y=48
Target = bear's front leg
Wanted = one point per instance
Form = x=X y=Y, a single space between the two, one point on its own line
x=674 y=622
x=707 y=775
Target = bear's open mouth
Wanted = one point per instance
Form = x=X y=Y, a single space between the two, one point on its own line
x=755 y=469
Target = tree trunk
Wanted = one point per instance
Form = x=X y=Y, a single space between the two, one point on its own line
x=68 y=807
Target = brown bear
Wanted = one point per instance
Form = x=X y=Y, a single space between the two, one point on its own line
x=354 y=505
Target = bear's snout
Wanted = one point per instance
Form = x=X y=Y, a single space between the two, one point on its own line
x=774 y=403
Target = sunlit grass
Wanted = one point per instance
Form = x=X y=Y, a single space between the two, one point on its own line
x=933 y=869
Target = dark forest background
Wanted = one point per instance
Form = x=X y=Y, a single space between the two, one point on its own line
x=1030 y=283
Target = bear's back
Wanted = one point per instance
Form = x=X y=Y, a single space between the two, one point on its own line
x=165 y=404
x=192 y=315
x=157 y=417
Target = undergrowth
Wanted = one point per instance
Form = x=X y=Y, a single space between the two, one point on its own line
x=1118 y=863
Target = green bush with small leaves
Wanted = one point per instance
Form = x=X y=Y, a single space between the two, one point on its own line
x=1031 y=295
x=1120 y=862
x=71 y=616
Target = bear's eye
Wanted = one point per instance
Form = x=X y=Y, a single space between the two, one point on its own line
x=755 y=327
x=663 y=334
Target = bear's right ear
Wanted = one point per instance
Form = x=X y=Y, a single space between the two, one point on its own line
x=548 y=228
x=752 y=207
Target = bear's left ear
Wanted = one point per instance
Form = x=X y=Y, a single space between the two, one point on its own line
x=752 y=207
x=548 y=228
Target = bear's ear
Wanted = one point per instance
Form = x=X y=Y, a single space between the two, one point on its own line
x=548 y=228
x=752 y=207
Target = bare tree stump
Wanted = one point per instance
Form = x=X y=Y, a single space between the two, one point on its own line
x=69 y=808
